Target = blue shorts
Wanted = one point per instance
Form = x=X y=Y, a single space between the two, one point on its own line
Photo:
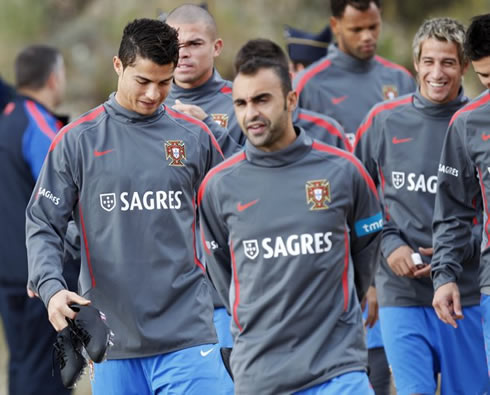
x=373 y=335
x=419 y=346
x=222 y=323
x=352 y=383
x=485 y=311
x=194 y=370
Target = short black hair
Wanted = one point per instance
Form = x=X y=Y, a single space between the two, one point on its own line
x=337 y=7
x=34 y=64
x=477 y=39
x=260 y=54
x=150 y=39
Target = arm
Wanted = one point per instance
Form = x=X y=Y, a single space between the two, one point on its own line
x=47 y=215
x=215 y=243
x=456 y=239
x=366 y=223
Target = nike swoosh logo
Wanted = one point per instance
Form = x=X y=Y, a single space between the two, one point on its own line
x=206 y=353
x=242 y=207
x=337 y=100
x=102 y=153
x=485 y=137
x=399 y=141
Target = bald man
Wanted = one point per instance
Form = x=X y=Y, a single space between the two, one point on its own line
x=198 y=89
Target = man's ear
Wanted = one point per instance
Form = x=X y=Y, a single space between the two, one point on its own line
x=292 y=100
x=218 y=46
x=118 y=67
x=334 y=25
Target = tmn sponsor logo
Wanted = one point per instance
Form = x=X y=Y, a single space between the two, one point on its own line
x=149 y=200
x=293 y=245
x=414 y=182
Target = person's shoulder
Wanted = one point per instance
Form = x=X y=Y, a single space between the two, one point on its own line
x=392 y=67
x=221 y=170
x=473 y=110
x=386 y=108
x=311 y=72
x=84 y=122
x=192 y=126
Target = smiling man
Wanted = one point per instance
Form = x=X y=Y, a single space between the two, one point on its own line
x=291 y=229
x=400 y=142
x=139 y=262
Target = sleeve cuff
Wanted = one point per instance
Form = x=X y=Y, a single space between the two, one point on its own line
x=440 y=278
x=49 y=288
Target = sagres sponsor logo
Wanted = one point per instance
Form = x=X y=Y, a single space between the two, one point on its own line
x=318 y=194
x=107 y=201
x=175 y=151
x=251 y=248
x=149 y=200
x=220 y=119
x=369 y=225
x=414 y=182
x=390 y=92
x=48 y=195
x=398 y=179
x=292 y=245
x=448 y=170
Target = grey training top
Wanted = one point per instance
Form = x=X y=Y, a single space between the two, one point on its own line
x=345 y=88
x=400 y=142
x=464 y=175
x=214 y=97
x=131 y=181
x=286 y=234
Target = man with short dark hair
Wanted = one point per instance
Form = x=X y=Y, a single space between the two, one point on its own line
x=28 y=125
x=198 y=89
x=352 y=78
x=291 y=259
x=399 y=142
x=464 y=171
x=317 y=126
x=129 y=171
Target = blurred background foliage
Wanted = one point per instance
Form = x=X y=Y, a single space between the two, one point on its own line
x=88 y=32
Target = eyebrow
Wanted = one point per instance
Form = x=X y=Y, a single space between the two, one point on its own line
x=190 y=42
x=254 y=98
x=148 y=80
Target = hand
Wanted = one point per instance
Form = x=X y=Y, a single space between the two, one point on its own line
x=447 y=304
x=400 y=261
x=425 y=271
x=31 y=293
x=372 y=307
x=59 y=308
x=190 y=109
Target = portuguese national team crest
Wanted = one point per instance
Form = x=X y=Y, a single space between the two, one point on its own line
x=389 y=92
x=318 y=194
x=175 y=151
x=220 y=119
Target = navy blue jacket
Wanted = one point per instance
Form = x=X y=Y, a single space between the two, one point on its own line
x=26 y=131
